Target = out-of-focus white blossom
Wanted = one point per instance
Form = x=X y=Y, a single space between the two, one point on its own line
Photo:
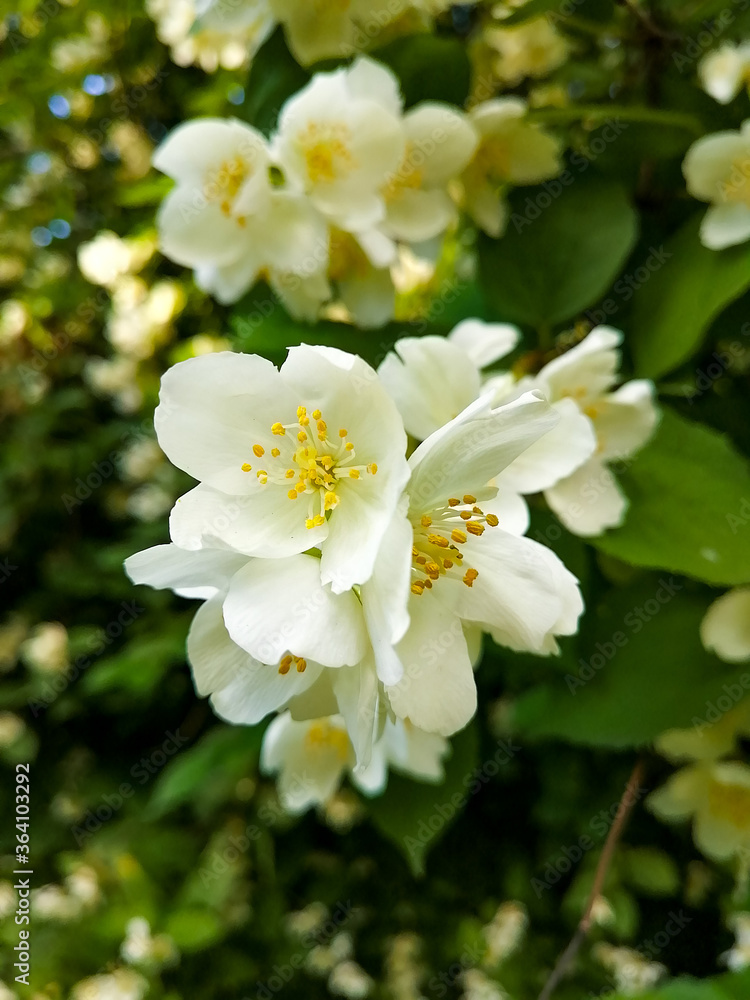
x=725 y=629
x=46 y=649
x=725 y=71
x=717 y=170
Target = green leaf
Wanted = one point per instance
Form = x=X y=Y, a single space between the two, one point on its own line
x=556 y=260
x=689 y=511
x=429 y=68
x=414 y=815
x=643 y=670
x=730 y=987
x=673 y=310
x=194 y=929
x=206 y=774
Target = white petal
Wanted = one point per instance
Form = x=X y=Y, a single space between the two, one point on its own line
x=437 y=692
x=725 y=630
x=589 y=501
x=279 y=605
x=244 y=690
x=523 y=592
x=554 y=456
x=370 y=80
x=441 y=141
x=370 y=298
x=485 y=343
x=189 y=574
x=229 y=282
x=509 y=507
x=626 y=419
x=431 y=379
x=385 y=597
x=415 y=215
x=199 y=147
x=213 y=408
x=268 y=524
x=725 y=225
x=309 y=774
x=708 y=163
x=585 y=372
x=414 y=752
x=193 y=232
x=358 y=695
x=464 y=455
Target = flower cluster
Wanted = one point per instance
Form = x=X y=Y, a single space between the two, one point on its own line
x=228 y=33
x=432 y=378
x=322 y=208
x=346 y=586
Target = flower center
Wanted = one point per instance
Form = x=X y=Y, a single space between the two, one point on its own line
x=730 y=803
x=323 y=736
x=304 y=453
x=223 y=185
x=408 y=177
x=737 y=186
x=438 y=540
x=327 y=152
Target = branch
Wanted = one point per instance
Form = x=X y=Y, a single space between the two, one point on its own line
x=627 y=802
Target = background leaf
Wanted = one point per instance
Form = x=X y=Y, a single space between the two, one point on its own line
x=673 y=310
x=689 y=511
x=554 y=261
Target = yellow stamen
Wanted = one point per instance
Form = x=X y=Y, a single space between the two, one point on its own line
x=316 y=414
x=475 y=528
x=468 y=498
x=292 y=494
x=349 y=446
x=372 y=468
x=275 y=452
x=247 y=467
x=343 y=432
x=258 y=450
x=426 y=521
x=470 y=576
x=453 y=502
x=458 y=536
x=289 y=473
x=438 y=540
x=354 y=473
x=492 y=520
x=278 y=429
x=301 y=665
x=302 y=436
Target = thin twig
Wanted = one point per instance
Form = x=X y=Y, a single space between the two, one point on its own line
x=629 y=797
x=649 y=23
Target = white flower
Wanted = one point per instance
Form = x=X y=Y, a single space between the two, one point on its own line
x=224 y=218
x=340 y=139
x=432 y=379
x=589 y=500
x=319 y=29
x=312 y=756
x=717 y=170
x=738 y=957
x=308 y=456
x=510 y=151
x=211 y=33
x=531 y=49
x=464 y=567
x=725 y=630
x=725 y=71
x=440 y=141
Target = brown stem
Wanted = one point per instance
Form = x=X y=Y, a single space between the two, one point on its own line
x=627 y=802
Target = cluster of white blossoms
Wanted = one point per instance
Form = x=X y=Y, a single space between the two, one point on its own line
x=725 y=71
x=717 y=170
x=347 y=586
x=348 y=178
x=433 y=378
x=228 y=33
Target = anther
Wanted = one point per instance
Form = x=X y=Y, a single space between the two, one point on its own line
x=343 y=432
x=292 y=494
x=470 y=576
x=247 y=467
x=492 y=520
x=317 y=414
x=468 y=498
x=258 y=450
x=475 y=528
x=458 y=536
x=278 y=428
x=372 y=468
x=289 y=473
x=354 y=473
x=438 y=540
x=285 y=664
x=453 y=502
x=426 y=521
x=301 y=665
x=275 y=452
x=465 y=515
